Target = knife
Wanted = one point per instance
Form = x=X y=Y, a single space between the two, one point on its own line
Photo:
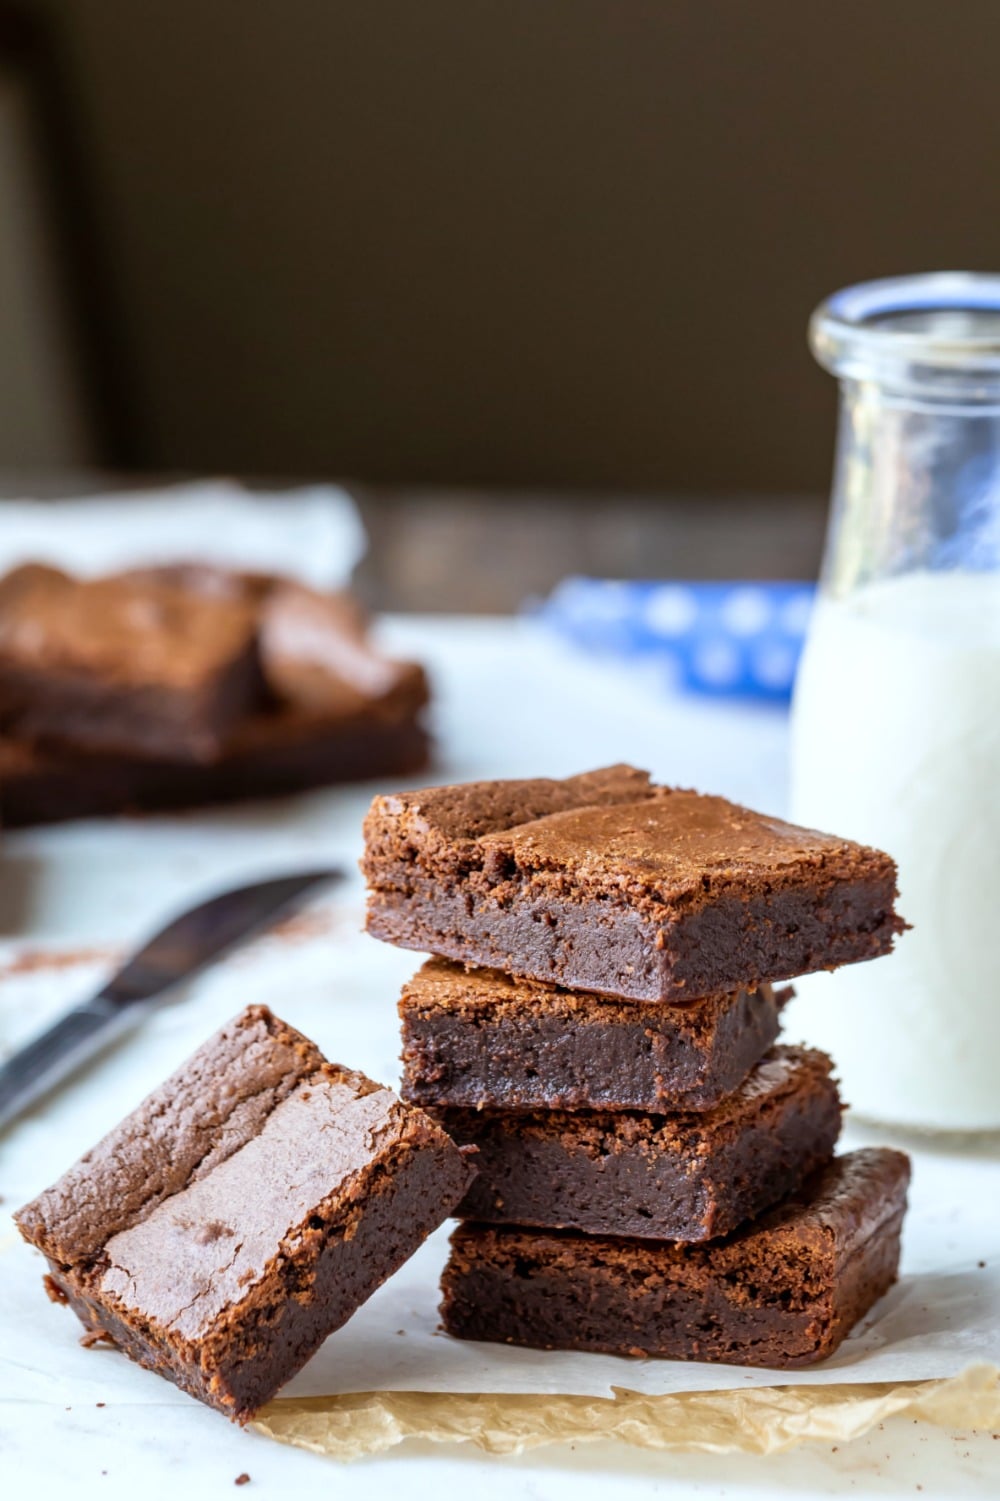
x=178 y=952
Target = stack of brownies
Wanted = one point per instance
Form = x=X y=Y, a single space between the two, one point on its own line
x=655 y=1175
x=176 y=686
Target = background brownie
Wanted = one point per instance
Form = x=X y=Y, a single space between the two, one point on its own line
x=607 y=883
x=328 y=708
x=782 y=1292
x=243 y=1212
x=685 y=1176
x=270 y=755
x=117 y=664
x=478 y=1038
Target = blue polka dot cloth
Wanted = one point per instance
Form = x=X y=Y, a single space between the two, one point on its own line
x=716 y=638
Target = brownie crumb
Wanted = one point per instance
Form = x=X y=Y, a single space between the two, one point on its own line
x=100 y=1404
x=92 y=1337
x=53 y=1290
x=243 y=1479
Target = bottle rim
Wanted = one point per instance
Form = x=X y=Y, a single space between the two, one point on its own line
x=935 y=332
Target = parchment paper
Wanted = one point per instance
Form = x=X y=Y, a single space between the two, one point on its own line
x=389 y=1373
x=764 y=1421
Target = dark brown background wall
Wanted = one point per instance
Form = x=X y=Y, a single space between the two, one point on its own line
x=545 y=242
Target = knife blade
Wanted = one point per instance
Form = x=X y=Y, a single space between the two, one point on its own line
x=177 y=953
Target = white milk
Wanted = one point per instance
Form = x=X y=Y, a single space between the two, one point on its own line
x=896 y=742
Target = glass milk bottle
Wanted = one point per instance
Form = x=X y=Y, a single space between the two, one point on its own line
x=896 y=716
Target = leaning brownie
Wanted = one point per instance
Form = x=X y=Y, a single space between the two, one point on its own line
x=478 y=1038
x=121 y=664
x=685 y=1176
x=605 y=882
x=243 y=1212
x=782 y=1292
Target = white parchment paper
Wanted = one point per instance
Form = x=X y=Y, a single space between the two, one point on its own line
x=86 y=891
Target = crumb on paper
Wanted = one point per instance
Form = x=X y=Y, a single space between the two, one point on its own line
x=34 y=961
x=243 y=1479
x=302 y=927
x=92 y=1337
x=100 y=1404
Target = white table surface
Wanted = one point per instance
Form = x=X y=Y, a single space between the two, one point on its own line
x=508 y=703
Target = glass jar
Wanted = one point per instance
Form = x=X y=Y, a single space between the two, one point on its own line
x=896 y=714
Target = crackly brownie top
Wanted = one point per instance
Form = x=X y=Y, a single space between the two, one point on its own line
x=442 y=989
x=132 y=631
x=783 y=1073
x=206 y=1246
x=828 y=1220
x=235 y=1102
x=611 y=832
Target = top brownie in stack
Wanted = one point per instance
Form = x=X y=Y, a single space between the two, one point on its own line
x=607 y=883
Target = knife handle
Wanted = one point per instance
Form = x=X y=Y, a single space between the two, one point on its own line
x=58 y=1052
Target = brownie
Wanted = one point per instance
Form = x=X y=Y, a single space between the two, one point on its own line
x=315 y=650
x=316 y=655
x=270 y=756
x=605 y=882
x=117 y=664
x=243 y=1212
x=687 y=1176
x=479 y=1038
x=781 y=1292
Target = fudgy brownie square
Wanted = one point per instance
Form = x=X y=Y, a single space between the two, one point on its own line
x=781 y=1292
x=478 y=1038
x=243 y=1212
x=685 y=1176
x=605 y=882
x=120 y=664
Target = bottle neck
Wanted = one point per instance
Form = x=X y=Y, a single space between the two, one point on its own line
x=916 y=486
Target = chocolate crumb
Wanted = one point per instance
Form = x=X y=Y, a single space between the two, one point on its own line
x=95 y=1337
x=100 y=1404
x=53 y=1291
x=243 y=1479
x=31 y=961
x=980 y=1264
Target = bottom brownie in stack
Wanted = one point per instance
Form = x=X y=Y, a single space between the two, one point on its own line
x=782 y=1291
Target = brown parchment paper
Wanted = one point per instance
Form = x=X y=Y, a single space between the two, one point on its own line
x=764 y=1420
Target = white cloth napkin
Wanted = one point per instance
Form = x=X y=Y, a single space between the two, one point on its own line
x=313 y=534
